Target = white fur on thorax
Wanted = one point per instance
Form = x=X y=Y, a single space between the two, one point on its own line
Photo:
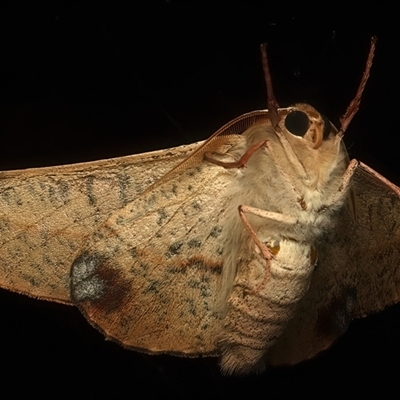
x=261 y=184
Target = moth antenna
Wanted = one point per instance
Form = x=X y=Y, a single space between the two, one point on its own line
x=355 y=103
x=271 y=100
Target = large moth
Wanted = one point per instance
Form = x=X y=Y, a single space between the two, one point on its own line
x=169 y=265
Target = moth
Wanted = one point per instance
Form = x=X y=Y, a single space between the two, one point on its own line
x=259 y=245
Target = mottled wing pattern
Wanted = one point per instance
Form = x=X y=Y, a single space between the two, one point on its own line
x=377 y=245
x=45 y=214
x=148 y=276
x=358 y=271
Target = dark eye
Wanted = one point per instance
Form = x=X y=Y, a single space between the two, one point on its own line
x=327 y=127
x=297 y=123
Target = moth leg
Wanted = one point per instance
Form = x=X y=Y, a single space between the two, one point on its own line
x=346 y=183
x=344 y=186
x=267 y=252
x=274 y=217
x=242 y=160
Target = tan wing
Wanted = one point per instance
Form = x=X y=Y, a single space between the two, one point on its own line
x=148 y=276
x=45 y=214
x=358 y=271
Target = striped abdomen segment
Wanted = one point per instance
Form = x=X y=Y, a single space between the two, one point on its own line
x=262 y=302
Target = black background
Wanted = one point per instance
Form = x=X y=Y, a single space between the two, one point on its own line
x=88 y=80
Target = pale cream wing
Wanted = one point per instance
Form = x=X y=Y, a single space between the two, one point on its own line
x=358 y=271
x=45 y=214
x=148 y=277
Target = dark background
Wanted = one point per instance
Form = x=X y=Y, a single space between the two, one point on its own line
x=83 y=80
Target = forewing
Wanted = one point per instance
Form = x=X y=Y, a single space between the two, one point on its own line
x=358 y=271
x=148 y=276
x=45 y=213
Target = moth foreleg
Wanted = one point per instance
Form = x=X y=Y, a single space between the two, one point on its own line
x=285 y=222
x=242 y=160
x=343 y=188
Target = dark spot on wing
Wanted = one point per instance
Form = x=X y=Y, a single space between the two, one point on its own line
x=89 y=190
x=97 y=284
x=64 y=191
x=197 y=262
x=162 y=216
x=120 y=220
x=150 y=201
x=191 y=306
x=124 y=184
x=194 y=243
x=334 y=318
x=134 y=252
x=141 y=270
x=216 y=231
x=202 y=285
x=10 y=197
x=196 y=205
x=153 y=287
x=174 y=249
x=32 y=280
x=52 y=195
x=98 y=235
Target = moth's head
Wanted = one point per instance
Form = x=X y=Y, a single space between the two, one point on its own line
x=303 y=124
x=303 y=121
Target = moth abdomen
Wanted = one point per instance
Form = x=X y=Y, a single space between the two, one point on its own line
x=263 y=300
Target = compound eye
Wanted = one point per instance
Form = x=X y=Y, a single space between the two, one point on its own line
x=297 y=123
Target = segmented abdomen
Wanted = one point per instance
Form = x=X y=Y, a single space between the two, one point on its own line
x=263 y=300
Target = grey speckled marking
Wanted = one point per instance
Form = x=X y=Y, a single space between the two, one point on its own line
x=194 y=244
x=9 y=197
x=134 y=252
x=216 y=231
x=89 y=191
x=153 y=286
x=64 y=191
x=91 y=290
x=196 y=205
x=84 y=282
x=98 y=283
x=196 y=263
x=162 y=215
x=52 y=195
x=124 y=183
x=174 y=249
